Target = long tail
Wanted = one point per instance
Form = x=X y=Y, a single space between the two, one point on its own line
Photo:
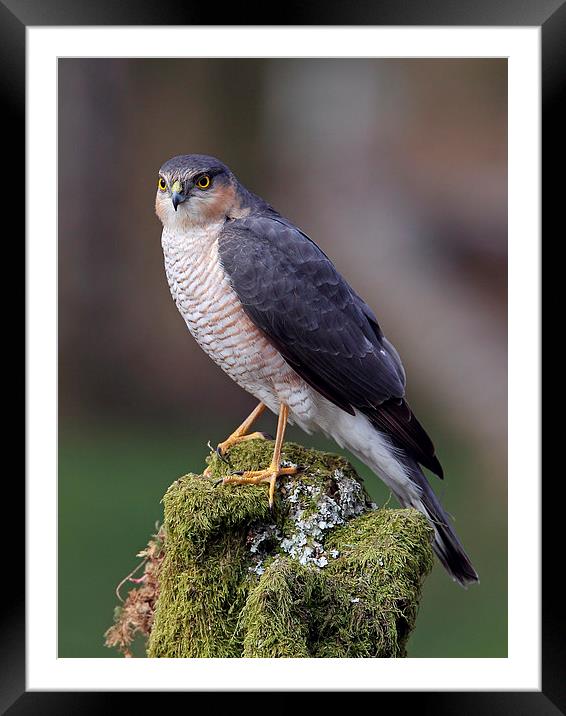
x=406 y=480
x=446 y=544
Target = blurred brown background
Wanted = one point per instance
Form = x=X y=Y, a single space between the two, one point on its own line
x=398 y=170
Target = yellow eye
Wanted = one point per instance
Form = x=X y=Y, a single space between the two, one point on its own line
x=203 y=182
x=162 y=184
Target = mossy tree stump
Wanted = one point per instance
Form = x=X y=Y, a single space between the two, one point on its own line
x=327 y=574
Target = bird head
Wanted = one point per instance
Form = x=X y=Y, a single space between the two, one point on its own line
x=194 y=189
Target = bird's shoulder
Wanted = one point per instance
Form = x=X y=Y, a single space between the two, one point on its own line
x=266 y=251
x=266 y=232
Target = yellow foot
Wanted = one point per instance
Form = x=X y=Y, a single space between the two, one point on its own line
x=255 y=477
x=225 y=446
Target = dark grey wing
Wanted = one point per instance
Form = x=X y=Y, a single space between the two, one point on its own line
x=291 y=290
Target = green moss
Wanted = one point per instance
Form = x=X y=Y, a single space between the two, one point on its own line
x=204 y=574
x=363 y=604
x=237 y=580
x=372 y=590
x=276 y=618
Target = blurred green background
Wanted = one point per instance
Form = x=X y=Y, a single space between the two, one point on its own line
x=398 y=170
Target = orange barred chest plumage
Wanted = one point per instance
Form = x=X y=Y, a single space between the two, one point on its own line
x=216 y=319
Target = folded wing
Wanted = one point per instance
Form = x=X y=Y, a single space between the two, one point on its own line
x=291 y=290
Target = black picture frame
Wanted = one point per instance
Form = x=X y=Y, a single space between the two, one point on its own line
x=550 y=15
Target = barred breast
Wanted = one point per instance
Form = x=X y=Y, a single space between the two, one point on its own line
x=215 y=317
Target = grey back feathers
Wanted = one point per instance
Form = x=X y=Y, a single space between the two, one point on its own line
x=291 y=290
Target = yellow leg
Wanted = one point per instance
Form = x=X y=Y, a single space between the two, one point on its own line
x=241 y=433
x=270 y=475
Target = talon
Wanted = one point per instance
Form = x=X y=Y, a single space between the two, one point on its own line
x=270 y=475
x=256 y=477
x=272 y=492
x=225 y=458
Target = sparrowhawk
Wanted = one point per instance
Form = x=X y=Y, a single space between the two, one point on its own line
x=270 y=308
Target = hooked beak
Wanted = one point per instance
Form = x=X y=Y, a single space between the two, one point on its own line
x=177 y=194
